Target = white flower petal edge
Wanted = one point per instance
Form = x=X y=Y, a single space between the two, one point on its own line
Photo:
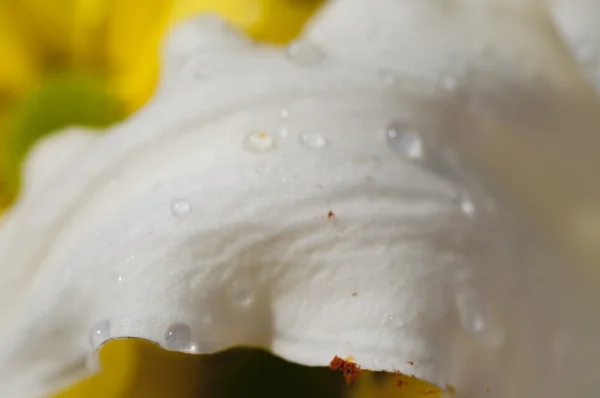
x=296 y=201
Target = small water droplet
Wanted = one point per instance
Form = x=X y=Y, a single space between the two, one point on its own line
x=120 y=278
x=305 y=53
x=242 y=295
x=180 y=208
x=405 y=141
x=100 y=333
x=200 y=72
x=465 y=203
x=261 y=169
x=393 y=320
x=178 y=337
x=449 y=83
x=259 y=141
x=284 y=113
x=473 y=316
x=313 y=140
x=284 y=132
x=387 y=78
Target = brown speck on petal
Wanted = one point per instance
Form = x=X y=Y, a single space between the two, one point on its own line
x=354 y=294
x=350 y=370
x=330 y=215
x=410 y=363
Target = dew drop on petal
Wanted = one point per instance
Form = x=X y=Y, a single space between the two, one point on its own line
x=449 y=83
x=405 y=141
x=259 y=141
x=387 y=78
x=242 y=295
x=180 y=208
x=284 y=113
x=178 y=337
x=100 y=333
x=313 y=140
x=261 y=169
x=305 y=53
x=472 y=313
x=465 y=204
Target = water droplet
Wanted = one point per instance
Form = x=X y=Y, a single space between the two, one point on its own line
x=465 y=203
x=180 y=208
x=200 y=72
x=313 y=140
x=100 y=333
x=449 y=83
x=387 y=78
x=259 y=141
x=405 y=141
x=178 y=337
x=472 y=313
x=284 y=132
x=393 y=320
x=261 y=169
x=242 y=295
x=305 y=53
x=284 y=113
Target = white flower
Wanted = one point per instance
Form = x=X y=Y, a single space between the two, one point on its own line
x=306 y=201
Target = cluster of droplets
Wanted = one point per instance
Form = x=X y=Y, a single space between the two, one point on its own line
x=408 y=143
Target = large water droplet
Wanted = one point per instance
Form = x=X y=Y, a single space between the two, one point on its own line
x=178 y=337
x=180 y=207
x=305 y=53
x=405 y=141
x=100 y=333
x=259 y=142
x=313 y=140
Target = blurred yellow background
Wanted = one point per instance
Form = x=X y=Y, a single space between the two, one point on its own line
x=92 y=63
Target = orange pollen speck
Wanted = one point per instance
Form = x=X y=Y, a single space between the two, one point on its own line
x=350 y=370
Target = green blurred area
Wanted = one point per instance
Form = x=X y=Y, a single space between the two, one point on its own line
x=60 y=101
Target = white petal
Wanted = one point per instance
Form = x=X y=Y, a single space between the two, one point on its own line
x=53 y=153
x=347 y=227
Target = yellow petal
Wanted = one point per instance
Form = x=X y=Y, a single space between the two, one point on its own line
x=50 y=21
x=135 y=29
x=87 y=36
x=275 y=21
x=18 y=59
